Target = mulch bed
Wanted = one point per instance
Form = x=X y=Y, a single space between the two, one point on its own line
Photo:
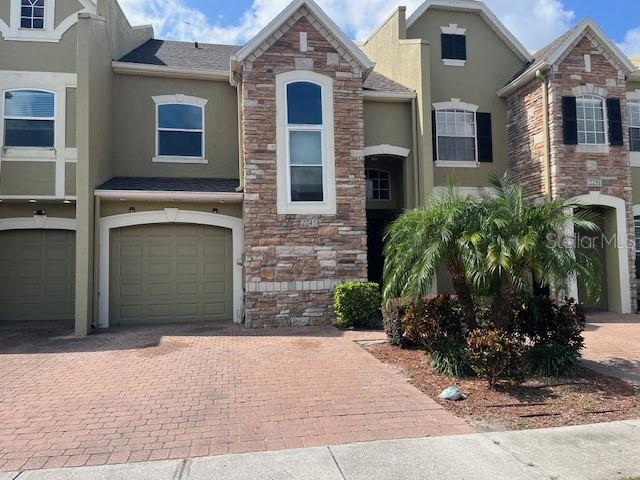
x=588 y=397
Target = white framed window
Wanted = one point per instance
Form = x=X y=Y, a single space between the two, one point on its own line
x=32 y=14
x=29 y=118
x=591 y=114
x=456 y=136
x=180 y=129
x=378 y=184
x=305 y=143
x=634 y=125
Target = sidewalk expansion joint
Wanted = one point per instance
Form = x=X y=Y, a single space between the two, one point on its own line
x=336 y=463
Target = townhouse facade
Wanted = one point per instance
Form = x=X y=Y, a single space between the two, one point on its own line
x=146 y=181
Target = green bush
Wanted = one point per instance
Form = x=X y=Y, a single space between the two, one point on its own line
x=553 y=333
x=450 y=358
x=493 y=353
x=392 y=319
x=357 y=304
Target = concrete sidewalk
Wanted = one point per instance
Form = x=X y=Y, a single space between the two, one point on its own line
x=607 y=451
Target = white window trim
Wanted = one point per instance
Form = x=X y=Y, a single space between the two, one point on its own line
x=284 y=204
x=47 y=81
x=179 y=99
x=31 y=152
x=450 y=62
x=453 y=29
x=633 y=155
x=388 y=172
x=50 y=32
x=595 y=147
x=456 y=104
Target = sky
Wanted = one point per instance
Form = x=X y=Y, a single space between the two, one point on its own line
x=534 y=22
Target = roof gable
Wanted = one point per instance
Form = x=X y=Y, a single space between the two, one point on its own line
x=287 y=18
x=475 y=6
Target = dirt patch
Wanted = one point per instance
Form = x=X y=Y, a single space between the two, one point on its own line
x=586 y=398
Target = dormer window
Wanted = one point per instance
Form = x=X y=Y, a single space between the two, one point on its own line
x=454 y=45
x=32 y=14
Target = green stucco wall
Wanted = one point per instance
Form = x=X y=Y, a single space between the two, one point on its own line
x=28 y=178
x=387 y=123
x=134 y=123
x=490 y=65
x=5 y=11
x=41 y=56
x=64 y=8
x=70 y=179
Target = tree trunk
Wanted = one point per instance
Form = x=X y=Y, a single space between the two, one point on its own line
x=502 y=314
x=463 y=292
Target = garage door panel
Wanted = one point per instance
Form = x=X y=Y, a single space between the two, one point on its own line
x=37 y=275
x=185 y=274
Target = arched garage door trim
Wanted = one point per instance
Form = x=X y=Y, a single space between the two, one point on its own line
x=170 y=215
x=37 y=222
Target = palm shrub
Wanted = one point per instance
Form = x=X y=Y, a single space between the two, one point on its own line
x=421 y=240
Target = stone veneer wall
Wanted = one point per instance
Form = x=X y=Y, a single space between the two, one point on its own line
x=293 y=261
x=571 y=166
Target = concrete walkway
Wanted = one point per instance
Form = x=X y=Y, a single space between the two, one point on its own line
x=607 y=451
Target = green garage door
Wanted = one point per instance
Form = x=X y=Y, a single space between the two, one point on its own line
x=167 y=273
x=37 y=275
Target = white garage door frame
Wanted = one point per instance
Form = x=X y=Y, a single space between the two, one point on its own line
x=37 y=222
x=169 y=215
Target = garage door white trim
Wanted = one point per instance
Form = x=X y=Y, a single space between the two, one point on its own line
x=170 y=215
x=37 y=222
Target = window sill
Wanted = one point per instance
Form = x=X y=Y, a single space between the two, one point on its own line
x=457 y=164
x=634 y=157
x=197 y=160
x=450 y=62
x=604 y=149
x=307 y=208
x=34 y=154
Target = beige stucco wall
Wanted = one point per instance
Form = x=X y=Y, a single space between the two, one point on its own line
x=28 y=178
x=134 y=123
x=123 y=37
x=5 y=11
x=64 y=8
x=70 y=179
x=41 y=56
x=117 y=207
x=490 y=65
x=70 y=124
x=15 y=210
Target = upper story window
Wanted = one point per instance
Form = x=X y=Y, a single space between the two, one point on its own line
x=32 y=14
x=456 y=135
x=29 y=117
x=591 y=115
x=180 y=129
x=378 y=184
x=454 y=46
x=305 y=149
x=305 y=131
x=634 y=126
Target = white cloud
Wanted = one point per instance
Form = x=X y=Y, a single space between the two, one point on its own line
x=534 y=22
x=631 y=44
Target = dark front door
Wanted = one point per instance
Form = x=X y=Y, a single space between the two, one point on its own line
x=375 y=258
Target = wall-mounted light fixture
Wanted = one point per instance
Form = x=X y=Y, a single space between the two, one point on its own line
x=40 y=213
x=132 y=209
x=214 y=210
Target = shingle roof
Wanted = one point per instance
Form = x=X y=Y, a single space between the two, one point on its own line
x=182 y=54
x=379 y=83
x=164 y=184
x=218 y=57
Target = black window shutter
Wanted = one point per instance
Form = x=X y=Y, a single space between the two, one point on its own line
x=615 y=122
x=485 y=142
x=433 y=135
x=569 y=120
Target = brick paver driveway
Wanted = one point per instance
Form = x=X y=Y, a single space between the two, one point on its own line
x=613 y=345
x=149 y=393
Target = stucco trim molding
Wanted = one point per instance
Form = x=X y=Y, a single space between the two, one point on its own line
x=455 y=104
x=385 y=149
x=453 y=29
x=618 y=204
x=170 y=215
x=50 y=33
x=38 y=222
x=222 y=197
x=634 y=95
x=180 y=98
x=375 y=96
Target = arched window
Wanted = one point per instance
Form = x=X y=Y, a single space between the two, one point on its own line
x=591 y=116
x=32 y=14
x=456 y=135
x=305 y=151
x=180 y=129
x=29 y=118
x=378 y=184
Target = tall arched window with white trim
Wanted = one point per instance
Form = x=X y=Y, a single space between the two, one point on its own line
x=29 y=118
x=305 y=131
x=591 y=116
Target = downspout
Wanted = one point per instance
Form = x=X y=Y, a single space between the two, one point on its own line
x=547 y=137
x=416 y=156
x=240 y=144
